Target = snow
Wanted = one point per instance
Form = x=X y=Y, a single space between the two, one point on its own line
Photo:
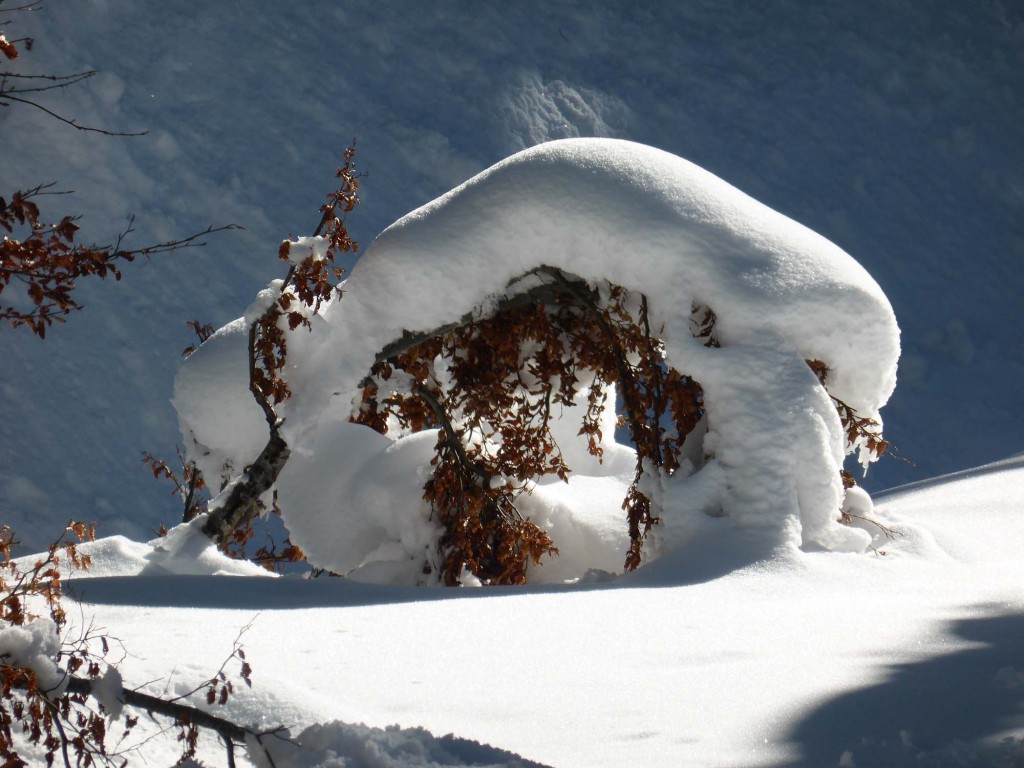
x=265 y=299
x=892 y=130
x=582 y=205
x=302 y=248
x=341 y=745
x=107 y=690
x=205 y=408
x=782 y=295
x=184 y=550
x=33 y=646
x=906 y=658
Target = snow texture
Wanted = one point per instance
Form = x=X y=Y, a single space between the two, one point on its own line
x=185 y=549
x=600 y=209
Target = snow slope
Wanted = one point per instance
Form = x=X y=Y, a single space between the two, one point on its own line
x=913 y=656
x=892 y=128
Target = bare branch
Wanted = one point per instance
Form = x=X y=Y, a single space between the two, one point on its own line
x=192 y=241
x=58 y=81
x=67 y=121
x=27 y=7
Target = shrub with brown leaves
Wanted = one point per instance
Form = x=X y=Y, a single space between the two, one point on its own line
x=489 y=385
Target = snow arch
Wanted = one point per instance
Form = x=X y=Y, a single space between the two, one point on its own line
x=654 y=224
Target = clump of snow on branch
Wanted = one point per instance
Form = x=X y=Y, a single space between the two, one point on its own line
x=223 y=427
x=600 y=210
x=303 y=248
x=265 y=299
x=34 y=646
x=108 y=690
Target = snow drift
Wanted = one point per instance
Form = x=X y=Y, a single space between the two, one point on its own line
x=602 y=210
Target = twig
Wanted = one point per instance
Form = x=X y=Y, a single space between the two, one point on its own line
x=6 y=96
x=58 y=81
x=889 y=532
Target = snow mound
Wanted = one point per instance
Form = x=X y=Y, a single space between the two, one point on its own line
x=601 y=210
x=357 y=746
x=184 y=551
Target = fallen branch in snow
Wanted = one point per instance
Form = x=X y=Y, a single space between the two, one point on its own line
x=47 y=680
x=74 y=690
x=182 y=713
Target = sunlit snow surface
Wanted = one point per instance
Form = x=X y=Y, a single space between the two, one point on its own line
x=599 y=209
x=913 y=656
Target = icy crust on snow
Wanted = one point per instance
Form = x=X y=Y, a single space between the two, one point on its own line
x=602 y=210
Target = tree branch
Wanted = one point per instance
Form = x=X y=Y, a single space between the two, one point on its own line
x=453 y=437
x=180 y=712
x=242 y=502
x=67 y=121
x=546 y=293
x=58 y=81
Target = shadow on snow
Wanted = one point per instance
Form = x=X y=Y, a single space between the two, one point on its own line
x=948 y=710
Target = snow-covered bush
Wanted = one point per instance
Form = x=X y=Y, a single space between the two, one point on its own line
x=451 y=417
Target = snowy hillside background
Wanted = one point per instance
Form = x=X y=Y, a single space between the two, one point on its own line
x=892 y=128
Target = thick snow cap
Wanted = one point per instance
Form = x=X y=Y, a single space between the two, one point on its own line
x=639 y=217
x=653 y=223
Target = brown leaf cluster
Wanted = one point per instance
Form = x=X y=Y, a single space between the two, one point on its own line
x=8 y=49
x=491 y=386
x=41 y=264
x=856 y=427
x=307 y=286
x=45 y=263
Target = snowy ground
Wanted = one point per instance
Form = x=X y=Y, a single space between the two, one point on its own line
x=914 y=657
